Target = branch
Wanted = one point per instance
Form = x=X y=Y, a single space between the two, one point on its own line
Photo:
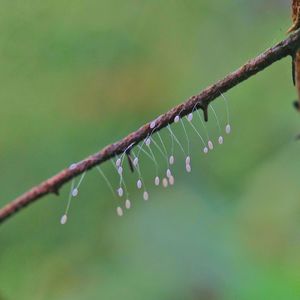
x=201 y=101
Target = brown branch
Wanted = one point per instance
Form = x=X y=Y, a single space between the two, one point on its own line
x=52 y=185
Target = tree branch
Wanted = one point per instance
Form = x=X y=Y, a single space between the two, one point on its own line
x=201 y=101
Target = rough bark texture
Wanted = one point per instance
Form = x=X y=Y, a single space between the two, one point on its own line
x=52 y=185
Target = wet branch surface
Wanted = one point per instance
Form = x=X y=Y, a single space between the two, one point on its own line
x=285 y=48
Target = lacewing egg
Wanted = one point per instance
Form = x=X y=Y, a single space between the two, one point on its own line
x=146 y=196
x=176 y=119
x=119 y=211
x=152 y=124
x=165 y=182
x=120 y=192
x=156 y=181
x=168 y=173
x=228 y=128
x=171 y=160
x=135 y=161
x=139 y=184
x=127 y=204
x=64 y=219
x=118 y=162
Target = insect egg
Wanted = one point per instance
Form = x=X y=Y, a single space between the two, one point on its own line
x=176 y=119
x=146 y=196
x=139 y=184
x=118 y=162
x=127 y=204
x=152 y=124
x=156 y=181
x=228 y=128
x=64 y=219
x=190 y=117
x=74 y=192
x=171 y=159
x=120 y=192
x=165 y=182
x=119 y=211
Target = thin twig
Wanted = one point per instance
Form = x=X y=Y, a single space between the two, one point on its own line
x=52 y=185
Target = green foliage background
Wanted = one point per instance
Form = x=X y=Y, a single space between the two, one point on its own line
x=76 y=75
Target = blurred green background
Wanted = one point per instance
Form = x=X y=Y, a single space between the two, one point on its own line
x=77 y=75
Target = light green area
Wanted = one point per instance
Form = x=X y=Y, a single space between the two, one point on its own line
x=77 y=75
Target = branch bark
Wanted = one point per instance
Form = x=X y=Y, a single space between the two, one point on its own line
x=201 y=101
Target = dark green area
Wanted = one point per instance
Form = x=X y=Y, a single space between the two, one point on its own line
x=77 y=75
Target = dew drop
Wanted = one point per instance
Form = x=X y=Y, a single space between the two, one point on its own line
x=165 y=182
x=176 y=119
x=228 y=128
x=156 y=181
x=74 y=192
x=127 y=204
x=221 y=140
x=139 y=184
x=210 y=145
x=119 y=211
x=190 y=117
x=120 y=192
x=64 y=219
x=171 y=159
x=146 y=196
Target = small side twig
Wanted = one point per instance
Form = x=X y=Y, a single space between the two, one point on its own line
x=201 y=101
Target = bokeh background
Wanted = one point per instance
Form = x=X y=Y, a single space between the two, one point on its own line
x=77 y=75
